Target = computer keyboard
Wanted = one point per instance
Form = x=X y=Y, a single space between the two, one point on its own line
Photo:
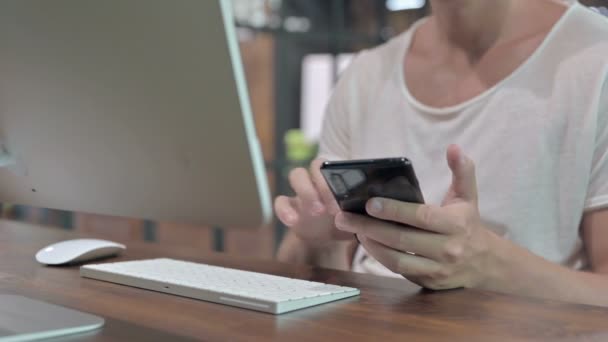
x=249 y=290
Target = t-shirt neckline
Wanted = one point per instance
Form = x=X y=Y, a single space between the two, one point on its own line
x=459 y=107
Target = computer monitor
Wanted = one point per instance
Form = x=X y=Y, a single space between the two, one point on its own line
x=134 y=108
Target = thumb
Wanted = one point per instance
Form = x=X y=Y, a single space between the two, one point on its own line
x=464 y=183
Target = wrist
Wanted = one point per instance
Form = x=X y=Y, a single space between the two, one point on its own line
x=514 y=269
x=293 y=250
x=335 y=254
x=498 y=263
x=321 y=246
x=296 y=249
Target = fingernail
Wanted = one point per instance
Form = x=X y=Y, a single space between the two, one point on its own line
x=342 y=222
x=334 y=210
x=375 y=206
x=290 y=218
x=317 y=208
x=463 y=159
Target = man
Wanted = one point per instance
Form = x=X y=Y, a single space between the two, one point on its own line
x=516 y=91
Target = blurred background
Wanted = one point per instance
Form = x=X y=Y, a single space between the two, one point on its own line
x=293 y=52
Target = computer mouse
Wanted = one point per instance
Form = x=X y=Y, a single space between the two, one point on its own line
x=78 y=250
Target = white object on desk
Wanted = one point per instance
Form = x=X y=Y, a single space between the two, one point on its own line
x=24 y=319
x=77 y=250
x=244 y=289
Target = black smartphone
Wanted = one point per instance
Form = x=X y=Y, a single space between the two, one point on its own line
x=354 y=182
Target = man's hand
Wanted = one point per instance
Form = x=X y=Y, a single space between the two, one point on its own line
x=436 y=247
x=448 y=247
x=310 y=213
x=313 y=237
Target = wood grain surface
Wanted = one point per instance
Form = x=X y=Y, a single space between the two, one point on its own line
x=388 y=309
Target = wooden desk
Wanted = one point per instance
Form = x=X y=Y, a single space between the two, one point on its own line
x=388 y=309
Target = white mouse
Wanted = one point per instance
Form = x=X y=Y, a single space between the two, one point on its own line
x=79 y=250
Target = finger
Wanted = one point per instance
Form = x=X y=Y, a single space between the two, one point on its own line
x=285 y=211
x=326 y=195
x=423 y=216
x=342 y=235
x=299 y=179
x=464 y=183
x=398 y=237
x=410 y=266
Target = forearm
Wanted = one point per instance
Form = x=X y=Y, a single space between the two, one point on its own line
x=335 y=255
x=521 y=272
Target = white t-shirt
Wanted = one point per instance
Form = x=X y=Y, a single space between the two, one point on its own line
x=539 y=138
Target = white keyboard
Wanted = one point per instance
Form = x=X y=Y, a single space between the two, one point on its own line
x=249 y=290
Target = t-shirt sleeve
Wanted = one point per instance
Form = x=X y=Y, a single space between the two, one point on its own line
x=335 y=140
x=597 y=193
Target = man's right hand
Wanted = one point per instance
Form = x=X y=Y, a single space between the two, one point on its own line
x=310 y=213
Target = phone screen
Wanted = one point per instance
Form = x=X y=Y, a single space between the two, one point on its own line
x=354 y=182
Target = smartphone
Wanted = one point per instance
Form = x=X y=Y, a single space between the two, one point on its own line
x=354 y=182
